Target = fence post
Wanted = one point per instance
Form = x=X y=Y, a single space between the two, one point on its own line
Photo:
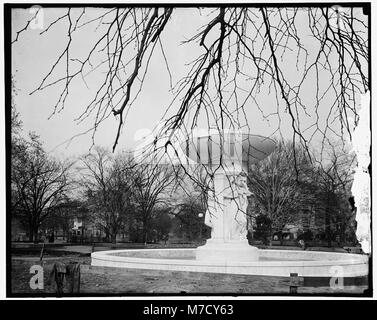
x=293 y=283
x=42 y=251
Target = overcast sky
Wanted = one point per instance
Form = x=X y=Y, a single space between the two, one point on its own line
x=34 y=54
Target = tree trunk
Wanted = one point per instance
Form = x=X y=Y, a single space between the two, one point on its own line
x=328 y=228
x=281 y=239
x=130 y=230
x=33 y=234
x=145 y=235
x=270 y=236
x=145 y=231
x=343 y=231
x=113 y=238
x=107 y=235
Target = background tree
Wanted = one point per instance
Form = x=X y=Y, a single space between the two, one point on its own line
x=277 y=184
x=334 y=180
x=161 y=225
x=263 y=228
x=152 y=185
x=18 y=149
x=108 y=182
x=39 y=182
x=189 y=224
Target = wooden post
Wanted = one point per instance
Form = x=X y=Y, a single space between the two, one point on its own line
x=73 y=277
x=294 y=282
x=42 y=251
x=79 y=278
x=58 y=274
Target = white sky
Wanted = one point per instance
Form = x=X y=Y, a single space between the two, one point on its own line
x=34 y=54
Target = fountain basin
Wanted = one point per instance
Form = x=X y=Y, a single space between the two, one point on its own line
x=227 y=147
x=270 y=263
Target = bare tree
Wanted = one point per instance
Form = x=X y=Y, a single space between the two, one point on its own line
x=244 y=54
x=18 y=147
x=278 y=192
x=334 y=178
x=107 y=182
x=187 y=212
x=153 y=184
x=39 y=183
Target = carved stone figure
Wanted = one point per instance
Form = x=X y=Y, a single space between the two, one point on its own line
x=226 y=215
x=214 y=219
x=236 y=208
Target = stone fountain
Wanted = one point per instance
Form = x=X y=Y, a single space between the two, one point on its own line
x=227 y=155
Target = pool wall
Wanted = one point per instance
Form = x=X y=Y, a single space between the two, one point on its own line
x=282 y=263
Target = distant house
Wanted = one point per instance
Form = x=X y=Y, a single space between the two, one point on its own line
x=77 y=226
x=291 y=231
x=18 y=231
x=85 y=230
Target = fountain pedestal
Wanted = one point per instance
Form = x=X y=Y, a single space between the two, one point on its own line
x=227 y=252
x=226 y=216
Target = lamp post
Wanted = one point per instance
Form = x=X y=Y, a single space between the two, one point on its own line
x=200 y=215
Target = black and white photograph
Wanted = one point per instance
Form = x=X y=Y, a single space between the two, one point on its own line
x=188 y=149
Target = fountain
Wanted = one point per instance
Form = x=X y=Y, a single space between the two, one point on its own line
x=227 y=154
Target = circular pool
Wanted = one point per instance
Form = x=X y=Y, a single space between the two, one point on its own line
x=270 y=263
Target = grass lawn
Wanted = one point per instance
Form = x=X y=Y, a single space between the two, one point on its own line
x=99 y=280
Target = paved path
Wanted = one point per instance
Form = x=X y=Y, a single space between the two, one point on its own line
x=79 y=249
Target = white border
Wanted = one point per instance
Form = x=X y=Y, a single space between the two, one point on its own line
x=2 y=162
